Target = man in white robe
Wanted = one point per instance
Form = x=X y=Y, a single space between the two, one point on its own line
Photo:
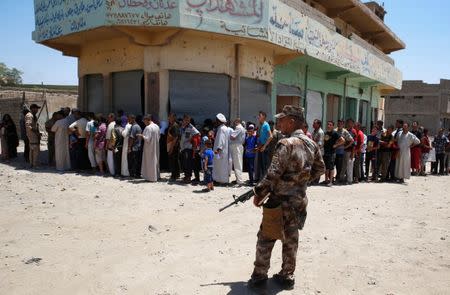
x=62 y=157
x=110 y=143
x=237 y=138
x=90 y=132
x=405 y=140
x=150 y=152
x=221 y=172
x=126 y=136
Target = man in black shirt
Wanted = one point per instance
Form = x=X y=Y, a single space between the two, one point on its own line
x=331 y=141
x=385 y=152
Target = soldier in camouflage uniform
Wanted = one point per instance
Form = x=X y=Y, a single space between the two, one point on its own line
x=296 y=161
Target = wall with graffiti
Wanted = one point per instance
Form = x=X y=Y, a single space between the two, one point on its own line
x=267 y=20
x=55 y=18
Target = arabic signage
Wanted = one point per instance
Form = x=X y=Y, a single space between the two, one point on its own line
x=287 y=27
x=268 y=20
x=55 y=18
x=233 y=17
x=142 y=12
x=280 y=24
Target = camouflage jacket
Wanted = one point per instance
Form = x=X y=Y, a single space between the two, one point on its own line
x=296 y=161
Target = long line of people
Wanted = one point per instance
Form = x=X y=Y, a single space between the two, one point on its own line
x=383 y=155
x=140 y=147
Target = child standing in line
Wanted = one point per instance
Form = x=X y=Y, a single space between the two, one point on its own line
x=250 y=152
x=208 y=156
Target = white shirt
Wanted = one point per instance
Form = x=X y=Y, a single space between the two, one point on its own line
x=110 y=129
x=81 y=125
x=237 y=136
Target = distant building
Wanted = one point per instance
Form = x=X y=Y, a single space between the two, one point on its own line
x=236 y=57
x=428 y=104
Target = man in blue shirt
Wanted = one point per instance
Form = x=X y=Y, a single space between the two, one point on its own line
x=264 y=138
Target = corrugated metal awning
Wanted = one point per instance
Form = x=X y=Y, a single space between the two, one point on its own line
x=287 y=90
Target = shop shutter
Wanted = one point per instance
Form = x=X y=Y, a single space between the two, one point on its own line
x=313 y=106
x=128 y=94
x=333 y=108
x=254 y=98
x=94 y=93
x=363 y=109
x=287 y=90
x=350 y=108
x=200 y=95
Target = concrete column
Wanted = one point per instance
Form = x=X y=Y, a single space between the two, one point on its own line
x=235 y=87
x=107 y=93
x=164 y=94
x=82 y=102
x=357 y=111
x=324 y=107
x=305 y=104
x=151 y=81
x=369 y=111
x=342 y=102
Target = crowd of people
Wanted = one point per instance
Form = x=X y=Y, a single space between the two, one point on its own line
x=389 y=154
x=125 y=145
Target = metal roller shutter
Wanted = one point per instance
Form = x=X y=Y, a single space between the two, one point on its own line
x=332 y=107
x=94 y=92
x=363 y=112
x=350 y=108
x=254 y=98
x=200 y=95
x=313 y=106
x=287 y=90
x=128 y=92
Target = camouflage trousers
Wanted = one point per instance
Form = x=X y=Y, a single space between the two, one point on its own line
x=264 y=246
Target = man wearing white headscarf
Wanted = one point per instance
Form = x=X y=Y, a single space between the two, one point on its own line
x=221 y=173
x=237 y=139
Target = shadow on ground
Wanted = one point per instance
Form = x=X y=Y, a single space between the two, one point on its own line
x=241 y=288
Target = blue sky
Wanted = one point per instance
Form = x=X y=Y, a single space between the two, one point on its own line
x=423 y=25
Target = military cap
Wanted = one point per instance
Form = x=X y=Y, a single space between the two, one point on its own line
x=290 y=110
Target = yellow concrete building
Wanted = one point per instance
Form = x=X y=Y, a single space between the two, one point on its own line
x=236 y=57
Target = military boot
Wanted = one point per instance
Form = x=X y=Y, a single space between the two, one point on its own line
x=257 y=283
x=286 y=283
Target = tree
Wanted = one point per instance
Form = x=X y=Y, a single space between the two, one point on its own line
x=9 y=76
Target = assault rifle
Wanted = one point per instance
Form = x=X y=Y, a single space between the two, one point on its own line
x=243 y=198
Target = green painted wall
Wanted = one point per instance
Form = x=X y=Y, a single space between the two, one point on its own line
x=294 y=74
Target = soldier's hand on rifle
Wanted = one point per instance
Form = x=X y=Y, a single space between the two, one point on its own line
x=257 y=201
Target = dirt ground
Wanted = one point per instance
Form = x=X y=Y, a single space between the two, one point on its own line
x=81 y=234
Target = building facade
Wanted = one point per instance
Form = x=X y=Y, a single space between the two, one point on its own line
x=428 y=104
x=236 y=57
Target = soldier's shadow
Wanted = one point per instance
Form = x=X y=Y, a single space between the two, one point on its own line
x=241 y=288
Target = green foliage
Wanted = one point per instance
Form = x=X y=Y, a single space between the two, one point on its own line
x=9 y=76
